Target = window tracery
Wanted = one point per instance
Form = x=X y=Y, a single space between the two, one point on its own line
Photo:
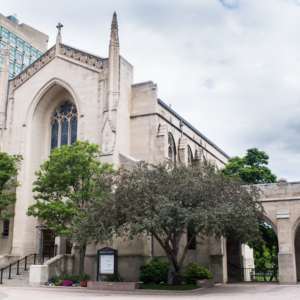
x=64 y=124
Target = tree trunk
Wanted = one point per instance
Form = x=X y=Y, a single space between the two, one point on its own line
x=81 y=260
x=173 y=275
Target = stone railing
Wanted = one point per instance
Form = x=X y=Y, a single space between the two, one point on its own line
x=34 y=67
x=85 y=58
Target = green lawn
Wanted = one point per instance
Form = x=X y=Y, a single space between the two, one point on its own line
x=262 y=278
x=184 y=287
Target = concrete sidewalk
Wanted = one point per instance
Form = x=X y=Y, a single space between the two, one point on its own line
x=229 y=291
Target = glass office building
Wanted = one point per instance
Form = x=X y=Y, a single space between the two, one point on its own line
x=24 y=48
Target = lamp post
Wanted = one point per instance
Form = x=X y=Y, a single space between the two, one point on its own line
x=41 y=229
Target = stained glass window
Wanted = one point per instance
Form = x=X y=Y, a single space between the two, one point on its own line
x=65 y=108
x=65 y=116
x=54 y=135
x=64 y=133
x=74 y=131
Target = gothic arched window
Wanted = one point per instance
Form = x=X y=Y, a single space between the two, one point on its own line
x=171 y=148
x=64 y=125
x=190 y=155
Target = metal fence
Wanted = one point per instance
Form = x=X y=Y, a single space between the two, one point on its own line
x=251 y=274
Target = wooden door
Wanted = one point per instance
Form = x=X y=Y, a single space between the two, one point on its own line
x=68 y=247
x=49 y=241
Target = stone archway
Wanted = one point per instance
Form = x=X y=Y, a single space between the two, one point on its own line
x=35 y=148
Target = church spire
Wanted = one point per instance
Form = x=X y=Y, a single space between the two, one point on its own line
x=113 y=66
x=114 y=35
x=58 y=38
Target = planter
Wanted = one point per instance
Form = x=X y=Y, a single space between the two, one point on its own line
x=207 y=283
x=113 y=286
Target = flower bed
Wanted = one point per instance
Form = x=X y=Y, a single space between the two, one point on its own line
x=68 y=283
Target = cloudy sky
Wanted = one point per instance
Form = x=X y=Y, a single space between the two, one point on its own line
x=229 y=67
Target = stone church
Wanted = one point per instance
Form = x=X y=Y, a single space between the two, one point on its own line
x=68 y=94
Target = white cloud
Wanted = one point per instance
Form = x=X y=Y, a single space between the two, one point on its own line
x=233 y=73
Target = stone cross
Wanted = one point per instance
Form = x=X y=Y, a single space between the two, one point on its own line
x=59 y=26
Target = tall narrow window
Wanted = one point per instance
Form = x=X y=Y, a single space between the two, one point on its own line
x=74 y=131
x=190 y=155
x=64 y=133
x=5 y=228
x=54 y=135
x=171 y=148
x=64 y=124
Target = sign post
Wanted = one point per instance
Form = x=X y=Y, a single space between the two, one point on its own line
x=107 y=262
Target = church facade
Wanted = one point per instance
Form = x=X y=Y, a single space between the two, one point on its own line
x=68 y=94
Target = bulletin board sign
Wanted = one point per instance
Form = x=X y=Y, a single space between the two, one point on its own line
x=107 y=262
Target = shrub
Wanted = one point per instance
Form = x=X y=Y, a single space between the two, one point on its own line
x=67 y=276
x=156 y=271
x=194 y=272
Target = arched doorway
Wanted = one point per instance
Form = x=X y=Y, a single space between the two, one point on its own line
x=266 y=255
x=297 y=251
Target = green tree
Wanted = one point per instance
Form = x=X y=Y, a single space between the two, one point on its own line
x=164 y=200
x=266 y=255
x=252 y=168
x=8 y=183
x=64 y=185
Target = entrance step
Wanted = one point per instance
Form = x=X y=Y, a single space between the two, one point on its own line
x=23 y=278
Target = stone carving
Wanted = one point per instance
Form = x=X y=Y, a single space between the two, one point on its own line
x=44 y=59
x=37 y=65
x=99 y=64
x=52 y=53
x=76 y=55
x=83 y=58
x=62 y=50
x=30 y=71
x=34 y=67
x=281 y=181
x=17 y=82
x=69 y=53
x=91 y=61
x=23 y=76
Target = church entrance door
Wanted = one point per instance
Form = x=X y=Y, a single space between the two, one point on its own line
x=48 y=245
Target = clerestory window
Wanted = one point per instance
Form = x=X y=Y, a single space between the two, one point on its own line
x=190 y=155
x=64 y=125
x=171 y=148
